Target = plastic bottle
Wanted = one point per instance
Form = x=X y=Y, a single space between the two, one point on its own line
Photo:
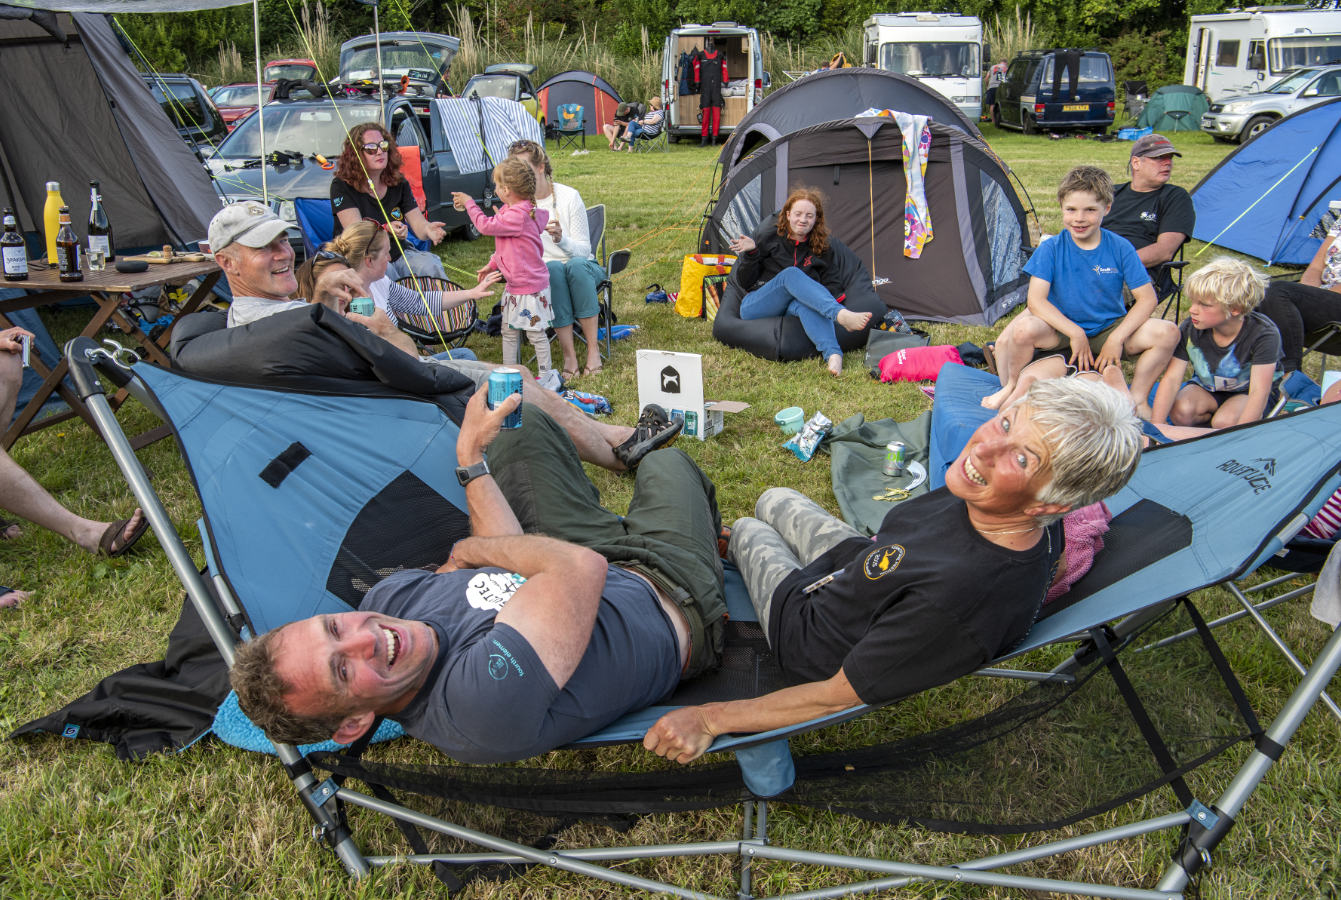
x=51 y=219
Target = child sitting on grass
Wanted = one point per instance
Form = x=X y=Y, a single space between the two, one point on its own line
x=518 y=254
x=1075 y=296
x=1234 y=351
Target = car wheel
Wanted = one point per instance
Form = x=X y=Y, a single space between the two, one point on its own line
x=1028 y=125
x=468 y=232
x=1256 y=125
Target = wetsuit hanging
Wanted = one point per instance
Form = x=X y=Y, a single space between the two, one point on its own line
x=710 y=72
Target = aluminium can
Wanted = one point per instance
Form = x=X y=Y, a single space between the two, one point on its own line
x=502 y=383
x=895 y=456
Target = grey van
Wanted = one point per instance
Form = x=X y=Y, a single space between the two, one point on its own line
x=1051 y=90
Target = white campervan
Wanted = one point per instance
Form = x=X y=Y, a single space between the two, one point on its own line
x=746 y=78
x=944 y=50
x=1244 y=51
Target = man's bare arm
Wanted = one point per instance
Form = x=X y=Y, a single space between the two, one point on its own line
x=555 y=609
x=684 y=734
x=490 y=514
x=1162 y=250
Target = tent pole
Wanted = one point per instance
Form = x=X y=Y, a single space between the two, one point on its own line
x=260 y=119
x=381 y=83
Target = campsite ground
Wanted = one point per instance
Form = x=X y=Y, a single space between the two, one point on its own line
x=213 y=820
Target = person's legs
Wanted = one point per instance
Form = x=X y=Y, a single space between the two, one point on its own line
x=511 y=346
x=808 y=529
x=1040 y=370
x=1298 y=309
x=22 y=495
x=561 y=300
x=1152 y=344
x=1194 y=405
x=764 y=560
x=540 y=341
x=1015 y=349
x=583 y=276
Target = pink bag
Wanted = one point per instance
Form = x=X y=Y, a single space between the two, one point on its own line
x=917 y=363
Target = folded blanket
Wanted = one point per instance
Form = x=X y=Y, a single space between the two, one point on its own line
x=1084 y=529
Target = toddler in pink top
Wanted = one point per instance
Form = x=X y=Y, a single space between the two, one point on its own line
x=518 y=254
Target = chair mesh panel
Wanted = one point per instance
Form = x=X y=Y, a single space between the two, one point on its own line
x=368 y=554
x=458 y=321
x=1049 y=755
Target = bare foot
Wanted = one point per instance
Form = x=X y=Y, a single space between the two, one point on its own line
x=13 y=598
x=852 y=321
x=1143 y=411
x=10 y=531
x=1113 y=377
x=995 y=401
x=836 y=364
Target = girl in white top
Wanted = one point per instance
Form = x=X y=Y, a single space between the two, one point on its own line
x=573 y=270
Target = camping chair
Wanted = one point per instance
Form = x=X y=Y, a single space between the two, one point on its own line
x=1172 y=298
x=1181 y=525
x=659 y=141
x=1135 y=94
x=571 y=126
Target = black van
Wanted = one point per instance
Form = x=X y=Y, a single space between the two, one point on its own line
x=192 y=112
x=1048 y=90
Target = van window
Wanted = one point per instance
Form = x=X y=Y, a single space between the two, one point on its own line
x=1303 y=50
x=1257 y=55
x=1016 y=71
x=181 y=104
x=1093 y=70
x=1227 y=53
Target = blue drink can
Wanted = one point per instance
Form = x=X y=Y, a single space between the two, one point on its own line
x=502 y=383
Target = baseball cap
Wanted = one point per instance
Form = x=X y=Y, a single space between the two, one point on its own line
x=249 y=223
x=1154 y=145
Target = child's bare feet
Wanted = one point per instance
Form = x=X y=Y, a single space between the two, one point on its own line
x=836 y=364
x=997 y=400
x=1143 y=411
x=852 y=321
x=1113 y=377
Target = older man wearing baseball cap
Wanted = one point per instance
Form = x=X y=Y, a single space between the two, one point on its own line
x=1156 y=216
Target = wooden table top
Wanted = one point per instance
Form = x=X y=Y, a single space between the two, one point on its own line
x=46 y=278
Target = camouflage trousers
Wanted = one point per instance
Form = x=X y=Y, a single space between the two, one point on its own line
x=788 y=531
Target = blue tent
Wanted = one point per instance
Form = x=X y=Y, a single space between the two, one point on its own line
x=1267 y=197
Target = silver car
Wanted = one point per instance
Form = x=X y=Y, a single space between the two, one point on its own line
x=1246 y=116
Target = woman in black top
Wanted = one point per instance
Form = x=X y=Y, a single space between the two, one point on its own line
x=791 y=270
x=370 y=161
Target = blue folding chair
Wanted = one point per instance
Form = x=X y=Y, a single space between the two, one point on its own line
x=571 y=126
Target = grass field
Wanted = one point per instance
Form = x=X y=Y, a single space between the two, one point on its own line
x=214 y=821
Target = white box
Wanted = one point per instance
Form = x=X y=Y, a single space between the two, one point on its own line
x=675 y=381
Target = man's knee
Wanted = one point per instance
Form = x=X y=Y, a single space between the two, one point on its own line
x=773 y=499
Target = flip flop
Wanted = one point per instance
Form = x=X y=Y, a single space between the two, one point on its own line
x=589 y=371
x=568 y=375
x=108 y=544
x=989 y=354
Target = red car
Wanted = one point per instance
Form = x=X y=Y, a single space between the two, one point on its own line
x=304 y=69
x=236 y=101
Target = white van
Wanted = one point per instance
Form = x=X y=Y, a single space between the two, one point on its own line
x=744 y=67
x=1244 y=51
x=943 y=50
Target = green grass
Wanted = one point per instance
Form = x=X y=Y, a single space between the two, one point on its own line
x=214 y=821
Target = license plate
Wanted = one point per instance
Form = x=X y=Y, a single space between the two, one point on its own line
x=1076 y=107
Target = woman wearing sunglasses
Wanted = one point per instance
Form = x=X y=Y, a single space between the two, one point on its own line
x=369 y=184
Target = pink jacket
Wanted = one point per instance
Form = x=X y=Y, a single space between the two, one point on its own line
x=518 y=253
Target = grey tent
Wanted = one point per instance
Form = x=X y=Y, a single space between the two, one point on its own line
x=971 y=272
x=835 y=94
x=587 y=89
x=1174 y=107
x=80 y=111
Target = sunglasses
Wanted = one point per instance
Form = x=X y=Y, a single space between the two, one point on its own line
x=332 y=255
x=381 y=226
x=373 y=148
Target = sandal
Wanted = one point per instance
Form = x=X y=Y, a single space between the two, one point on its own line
x=111 y=542
x=589 y=371
x=989 y=354
x=569 y=374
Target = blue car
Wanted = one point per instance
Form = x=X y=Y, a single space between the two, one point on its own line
x=1054 y=90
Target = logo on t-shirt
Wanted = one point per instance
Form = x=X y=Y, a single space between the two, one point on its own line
x=1105 y=270
x=336 y=201
x=396 y=214
x=1148 y=216
x=881 y=561
x=492 y=590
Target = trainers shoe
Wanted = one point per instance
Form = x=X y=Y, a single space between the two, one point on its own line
x=654 y=430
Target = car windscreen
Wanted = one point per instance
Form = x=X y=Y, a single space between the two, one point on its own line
x=400 y=58
x=237 y=95
x=304 y=129
x=1304 y=50
x=504 y=86
x=289 y=70
x=931 y=59
x=1292 y=82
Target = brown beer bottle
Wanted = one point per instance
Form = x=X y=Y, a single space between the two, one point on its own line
x=67 y=250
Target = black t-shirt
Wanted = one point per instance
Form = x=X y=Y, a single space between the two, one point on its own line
x=399 y=200
x=1141 y=217
x=928 y=600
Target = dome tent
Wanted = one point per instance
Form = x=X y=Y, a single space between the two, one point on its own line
x=1174 y=107
x=587 y=89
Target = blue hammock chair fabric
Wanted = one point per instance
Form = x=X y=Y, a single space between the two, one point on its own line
x=302 y=515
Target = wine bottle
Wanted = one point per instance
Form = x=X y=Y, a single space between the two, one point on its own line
x=99 y=226
x=13 y=250
x=67 y=249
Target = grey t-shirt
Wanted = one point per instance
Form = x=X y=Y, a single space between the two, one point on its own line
x=245 y=310
x=489 y=698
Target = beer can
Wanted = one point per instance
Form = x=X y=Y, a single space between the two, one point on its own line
x=502 y=383
x=895 y=456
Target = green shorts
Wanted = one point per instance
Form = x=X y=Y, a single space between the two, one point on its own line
x=1097 y=341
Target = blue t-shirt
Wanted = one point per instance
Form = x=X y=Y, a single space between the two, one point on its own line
x=490 y=699
x=1086 y=285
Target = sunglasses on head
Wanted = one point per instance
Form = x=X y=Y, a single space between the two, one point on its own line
x=373 y=148
x=381 y=226
x=332 y=255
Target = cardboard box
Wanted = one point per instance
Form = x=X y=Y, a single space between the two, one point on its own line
x=675 y=381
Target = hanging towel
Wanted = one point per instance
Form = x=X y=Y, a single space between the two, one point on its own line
x=916 y=215
x=479 y=131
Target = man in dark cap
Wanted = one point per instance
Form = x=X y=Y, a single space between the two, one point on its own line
x=1156 y=216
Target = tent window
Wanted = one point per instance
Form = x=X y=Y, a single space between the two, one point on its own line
x=743 y=212
x=1004 y=236
x=1227 y=53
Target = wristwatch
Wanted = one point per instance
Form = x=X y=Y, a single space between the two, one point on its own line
x=467 y=474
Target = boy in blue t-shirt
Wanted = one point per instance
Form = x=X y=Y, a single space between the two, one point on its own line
x=1075 y=297
x=1233 y=351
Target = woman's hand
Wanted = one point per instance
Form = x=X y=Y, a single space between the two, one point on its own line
x=555 y=230
x=9 y=339
x=742 y=244
x=485 y=287
x=436 y=232
x=398 y=228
